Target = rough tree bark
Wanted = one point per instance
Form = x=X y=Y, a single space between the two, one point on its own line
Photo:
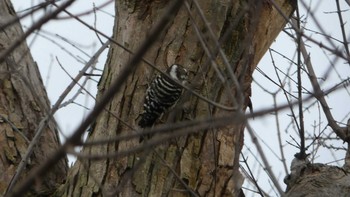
x=23 y=104
x=207 y=162
x=311 y=180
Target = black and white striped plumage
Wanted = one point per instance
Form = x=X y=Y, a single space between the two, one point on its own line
x=162 y=93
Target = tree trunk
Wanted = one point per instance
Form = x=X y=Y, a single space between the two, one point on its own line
x=204 y=163
x=309 y=180
x=23 y=105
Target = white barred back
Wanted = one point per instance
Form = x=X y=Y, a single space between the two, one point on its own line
x=162 y=93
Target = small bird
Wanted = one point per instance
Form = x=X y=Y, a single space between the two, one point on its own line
x=162 y=93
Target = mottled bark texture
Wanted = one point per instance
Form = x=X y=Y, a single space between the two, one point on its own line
x=207 y=162
x=313 y=180
x=23 y=104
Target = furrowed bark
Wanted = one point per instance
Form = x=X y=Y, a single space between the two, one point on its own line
x=23 y=105
x=207 y=161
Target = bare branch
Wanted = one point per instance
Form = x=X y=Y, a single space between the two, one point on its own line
x=265 y=161
x=45 y=120
x=34 y=27
x=75 y=138
x=319 y=94
x=342 y=27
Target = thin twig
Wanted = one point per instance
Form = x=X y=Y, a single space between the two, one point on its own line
x=218 y=105
x=3 y=118
x=302 y=154
x=283 y=159
x=88 y=12
x=115 y=86
x=218 y=47
x=253 y=179
x=187 y=124
x=81 y=86
x=332 y=49
x=286 y=93
x=34 y=27
x=17 y=18
x=342 y=27
x=45 y=120
x=265 y=161
x=319 y=94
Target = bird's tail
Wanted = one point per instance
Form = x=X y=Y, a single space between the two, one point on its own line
x=147 y=120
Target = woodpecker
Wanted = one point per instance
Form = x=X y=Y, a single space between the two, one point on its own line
x=162 y=93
